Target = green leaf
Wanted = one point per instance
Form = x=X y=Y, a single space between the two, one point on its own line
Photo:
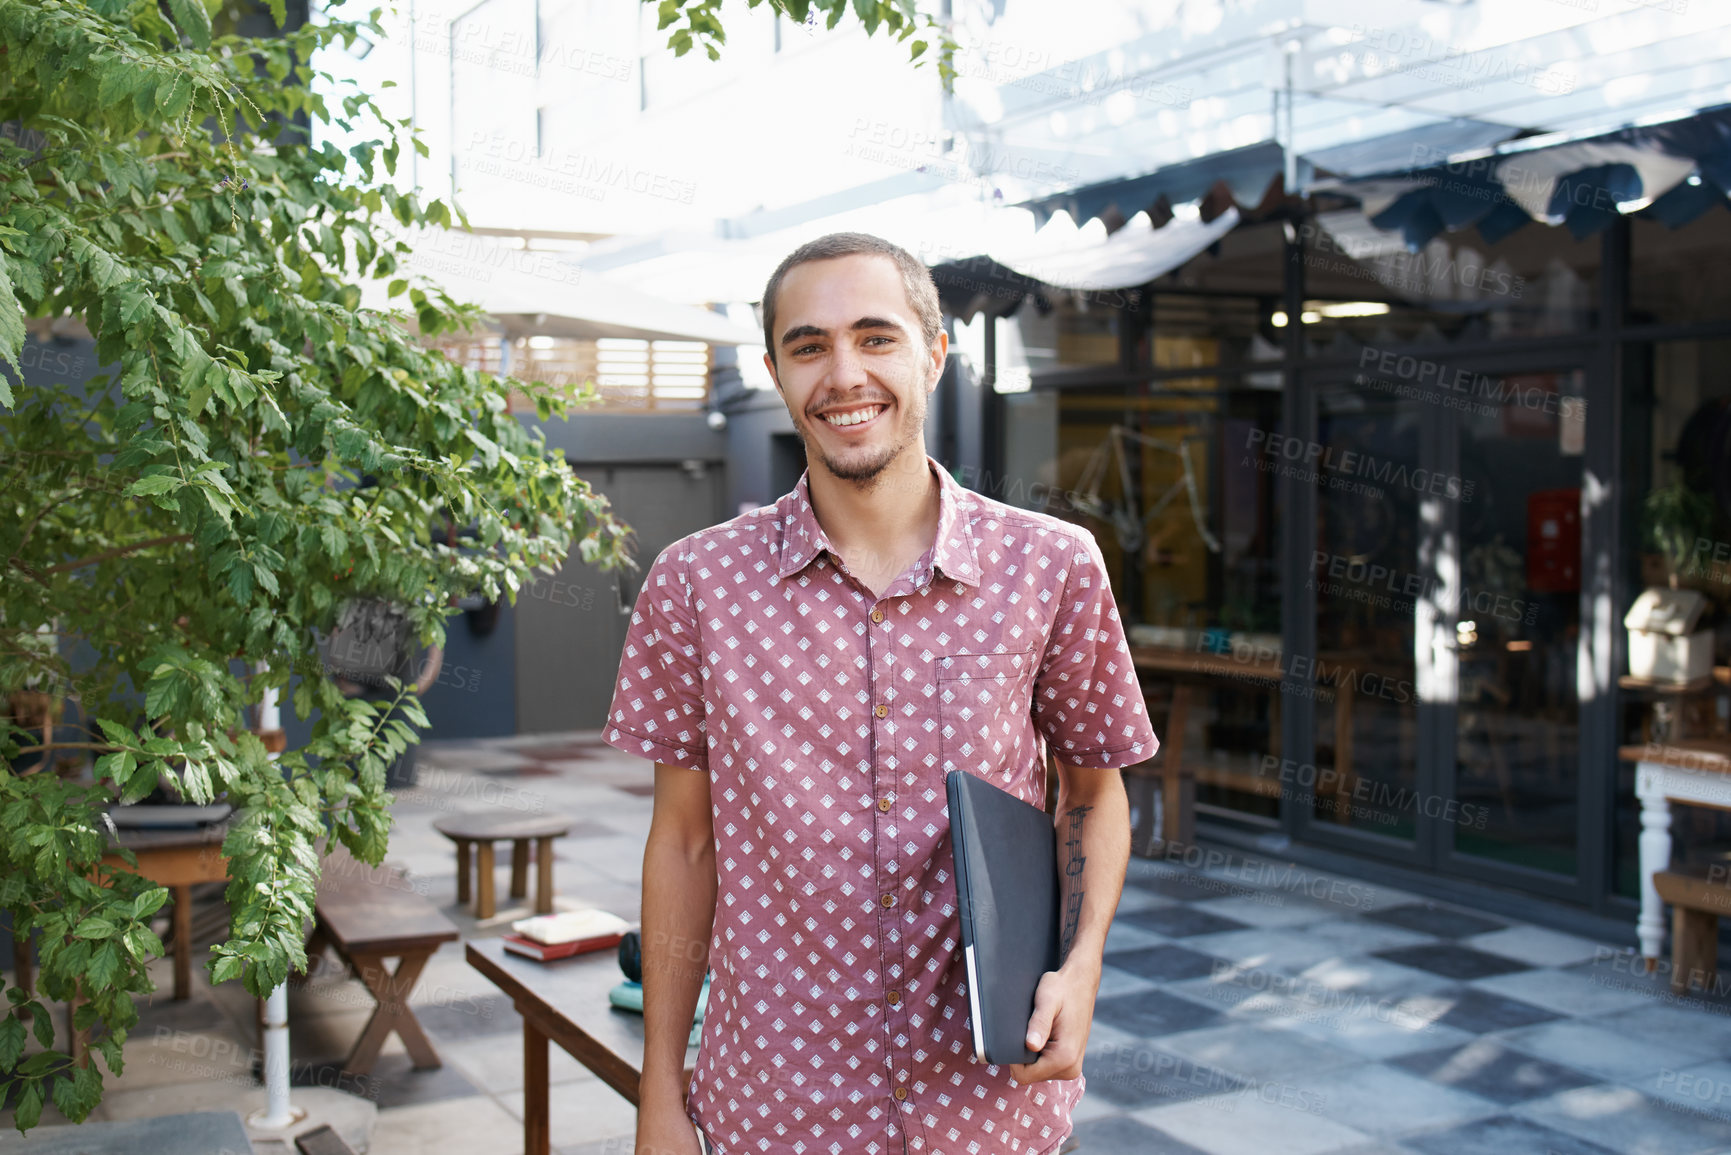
x=159 y=483
x=12 y=1039
x=194 y=21
x=11 y=332
x=44 y=1023
x=29 y=1110
x=94 y=927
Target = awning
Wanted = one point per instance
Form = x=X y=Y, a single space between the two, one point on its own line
x=532 y=292
x=1246 y=173
x=1061 y=256
x=1671 y=171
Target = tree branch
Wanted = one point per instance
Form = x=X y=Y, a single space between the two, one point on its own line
x=118 y=551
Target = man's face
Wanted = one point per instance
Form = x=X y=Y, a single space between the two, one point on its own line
x=852 y=365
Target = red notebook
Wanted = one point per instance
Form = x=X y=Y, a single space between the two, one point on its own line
x=546 y=952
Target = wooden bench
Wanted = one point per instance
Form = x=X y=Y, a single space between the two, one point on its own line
x=368 y=914
x=1696 y=904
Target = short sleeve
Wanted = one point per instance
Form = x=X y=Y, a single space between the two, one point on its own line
x=1087 y=700
x=657 y=711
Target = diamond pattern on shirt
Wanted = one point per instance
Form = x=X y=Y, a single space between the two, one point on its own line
x=826 y=719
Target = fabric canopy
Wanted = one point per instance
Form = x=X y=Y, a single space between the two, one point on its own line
x=1245 y=172
x=530 y=292
x=1672 y=171
x=1059 y=257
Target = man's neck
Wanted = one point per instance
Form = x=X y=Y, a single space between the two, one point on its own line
x=879 y=529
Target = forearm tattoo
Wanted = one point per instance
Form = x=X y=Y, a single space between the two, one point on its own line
x=1073 y=865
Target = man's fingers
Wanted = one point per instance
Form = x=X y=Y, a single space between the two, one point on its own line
x=1046 y=1003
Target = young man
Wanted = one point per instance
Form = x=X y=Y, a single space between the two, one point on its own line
x=821 y=664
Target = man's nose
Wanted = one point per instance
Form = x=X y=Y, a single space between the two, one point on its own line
x=847 y=367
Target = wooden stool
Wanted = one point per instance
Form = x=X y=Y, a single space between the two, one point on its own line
x=1696 y=904
x=481 y=829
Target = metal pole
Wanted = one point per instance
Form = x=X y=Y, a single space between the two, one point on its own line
x=278 y=1114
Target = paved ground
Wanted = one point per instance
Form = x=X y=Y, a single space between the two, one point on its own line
x=1247 y=1007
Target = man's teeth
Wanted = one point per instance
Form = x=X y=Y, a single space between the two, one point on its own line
x=855 y=417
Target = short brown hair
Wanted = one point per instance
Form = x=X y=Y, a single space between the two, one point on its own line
x=916 y=279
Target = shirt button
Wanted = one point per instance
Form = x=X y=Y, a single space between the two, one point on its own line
x=884 y=805
x=877 y=615
x=901 y=1093
x=888 y=900
x=894 y=997
x=881 y=710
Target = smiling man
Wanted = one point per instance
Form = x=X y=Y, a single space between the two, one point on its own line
x=803 y=677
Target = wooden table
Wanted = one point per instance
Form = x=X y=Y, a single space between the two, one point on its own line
x=483 y=828
x=175 y=858
x=1189 y=670
x=1682 y=710
x=566 y=1001
x=1696 y=772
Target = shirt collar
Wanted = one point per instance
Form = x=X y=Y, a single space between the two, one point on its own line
x=803 y=539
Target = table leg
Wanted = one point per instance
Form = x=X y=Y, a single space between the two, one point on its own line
x=519 y=867
x=543 y=875
x=1655 y=847
x=484 y=901
x=392 y=989
x=1172 y=826
x=463 y=870
x=182 y=942
x=537 y=1132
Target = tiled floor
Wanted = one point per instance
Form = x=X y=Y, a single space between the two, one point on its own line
x=1247 y=1006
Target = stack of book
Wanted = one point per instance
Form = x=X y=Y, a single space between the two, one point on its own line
x=553 y=936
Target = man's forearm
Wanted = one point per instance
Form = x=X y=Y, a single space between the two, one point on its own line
x=1093 y=826
x=678 y=913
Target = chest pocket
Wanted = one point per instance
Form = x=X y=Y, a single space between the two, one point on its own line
x=984 y=708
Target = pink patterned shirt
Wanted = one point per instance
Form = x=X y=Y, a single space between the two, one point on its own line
x=826 y=720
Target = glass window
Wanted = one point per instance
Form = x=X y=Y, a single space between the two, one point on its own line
x=1185 y=521
x=1677 y=519
x=1682 y=275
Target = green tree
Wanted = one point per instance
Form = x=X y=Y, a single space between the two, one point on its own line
x=202 y=509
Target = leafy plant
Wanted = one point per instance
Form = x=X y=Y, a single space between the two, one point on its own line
x=1678 y=517
x=193 y=517
x=262 y=451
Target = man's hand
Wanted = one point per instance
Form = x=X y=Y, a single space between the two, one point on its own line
x=663 y=1129
x=1063 y=1014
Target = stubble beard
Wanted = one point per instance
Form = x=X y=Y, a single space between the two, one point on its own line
x=868 y=473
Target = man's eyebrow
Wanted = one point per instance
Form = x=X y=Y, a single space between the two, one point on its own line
x=801 y=332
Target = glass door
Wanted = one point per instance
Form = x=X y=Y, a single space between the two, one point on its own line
x=1511 y=634
x=1445 y=575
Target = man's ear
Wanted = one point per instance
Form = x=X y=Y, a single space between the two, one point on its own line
x=940 y=352
x=769 y=363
